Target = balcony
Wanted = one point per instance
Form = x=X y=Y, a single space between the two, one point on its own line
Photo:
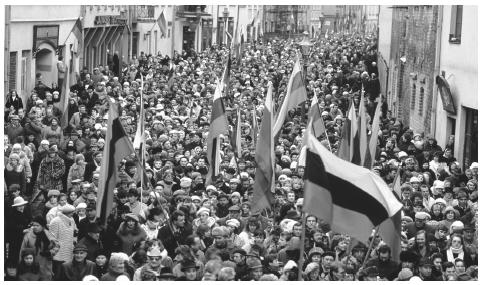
x=191 y=11
x=143 y=13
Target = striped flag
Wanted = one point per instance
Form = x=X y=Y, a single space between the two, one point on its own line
x=226 y=79
x=218 y=126
x=390 y=232
x=360 y=136
x=296 y=95
x=171 y=75
x=350 y=198
x=349 y=129
x=237 y=135
x=137 y=142
x=117 y=147
x=315 y=115
x=397 y=185
x=64 y=98
x=162 y=24
x=265 y=159
x=254 y=129
x=372 y=143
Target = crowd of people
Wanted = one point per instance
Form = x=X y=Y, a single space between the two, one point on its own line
x=177 y=228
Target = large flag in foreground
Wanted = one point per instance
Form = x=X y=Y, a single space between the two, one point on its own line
x=350 y=198
x=265 y=159
x=296 y=95
x=218 y=126
x=117 y=147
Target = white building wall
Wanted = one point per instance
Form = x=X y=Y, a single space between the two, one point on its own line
x=21 y=36
x=460 y=63
x=147 y=43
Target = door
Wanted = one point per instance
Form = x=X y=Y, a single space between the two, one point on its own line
x=471 y=137
x=188 y=39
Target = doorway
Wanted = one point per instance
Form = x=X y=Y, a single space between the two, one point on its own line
x=188 y=38
x=470 y=152
x=44 y=63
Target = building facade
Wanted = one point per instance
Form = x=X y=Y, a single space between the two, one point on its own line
x=36 y=37
x=427 y=60
x=455 y=104
x=106 y=33
x=408 y=67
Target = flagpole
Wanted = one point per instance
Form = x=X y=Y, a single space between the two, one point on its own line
x=142 y=145
x=302 y=248
x=326 y=135
x=370 y=246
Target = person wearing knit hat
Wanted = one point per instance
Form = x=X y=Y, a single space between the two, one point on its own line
x=404 y=275
x=53 y=192
x=203 y=218
x=311 y=272
x=315 y=254
x=233 y=223
x=456 y=227
x=256 y=268
x=420 y=223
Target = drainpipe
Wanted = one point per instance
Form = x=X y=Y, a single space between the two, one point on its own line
x=7 y=50
x=436 y=72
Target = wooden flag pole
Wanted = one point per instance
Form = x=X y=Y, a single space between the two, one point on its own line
x=302 y=247
x=370 y=247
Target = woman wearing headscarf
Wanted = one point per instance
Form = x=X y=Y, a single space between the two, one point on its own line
x=203 y=218
x=130 y=233
x=77 y=170
x=14 y=172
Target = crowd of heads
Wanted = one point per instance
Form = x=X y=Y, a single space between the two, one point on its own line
x=175 y=227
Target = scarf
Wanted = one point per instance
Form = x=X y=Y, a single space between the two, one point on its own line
x=452 y=251
x=42 y=243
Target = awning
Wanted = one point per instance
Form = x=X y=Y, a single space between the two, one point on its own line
x=446 y=94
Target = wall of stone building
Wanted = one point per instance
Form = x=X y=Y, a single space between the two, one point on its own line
x=420 y=53
x=413 y=59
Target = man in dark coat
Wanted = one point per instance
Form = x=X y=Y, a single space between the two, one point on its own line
x=79 y=267
x=387 y=268
x=92 y=241
x=181 y=230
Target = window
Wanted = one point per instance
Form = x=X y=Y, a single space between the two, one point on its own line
x=25 y=71
x=420 y=101
x=455 y=36
x=412 y=99
x=12 y=74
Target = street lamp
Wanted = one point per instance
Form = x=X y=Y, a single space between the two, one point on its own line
x=306 y=45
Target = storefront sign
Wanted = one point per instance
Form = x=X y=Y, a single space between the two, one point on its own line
x=445 y=94
x=109 y=20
